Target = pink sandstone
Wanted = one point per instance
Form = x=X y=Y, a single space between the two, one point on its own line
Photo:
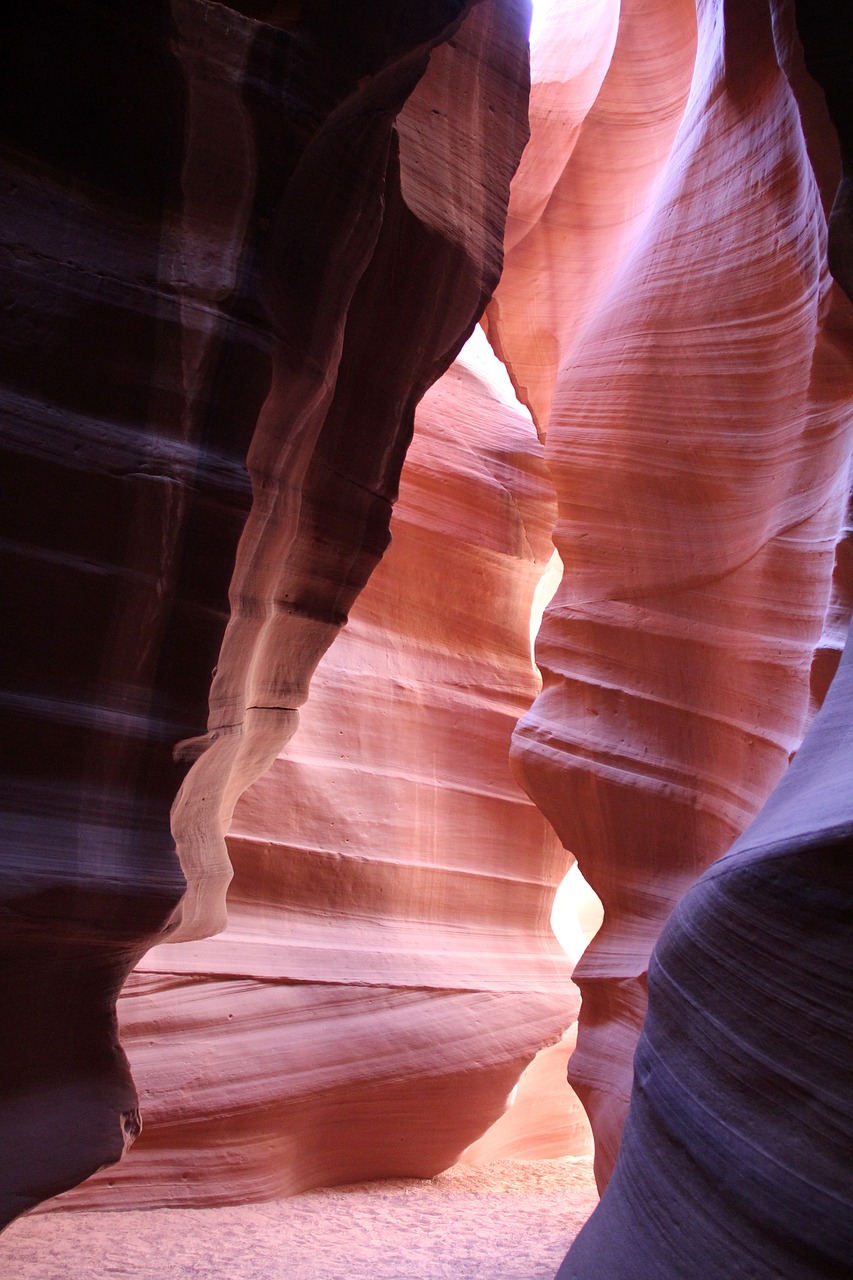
x=259 y=238
x=388 y=968
x=670 y=320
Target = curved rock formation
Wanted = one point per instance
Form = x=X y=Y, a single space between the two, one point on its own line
x=388 y=968
x=405 y=184
x=544 y=1121
x=227 y=243
x=670 y=320
x=826 y=31
x=738 y=1150
x=240 y=244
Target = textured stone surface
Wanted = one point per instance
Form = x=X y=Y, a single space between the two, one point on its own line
x=357 y=339
x=237 y=253
x=545 y=1120
x=738 y=1150
x=388 y=968
x=736 y=1154
x=670 y=319
x=228 y=279
x=505 y=1219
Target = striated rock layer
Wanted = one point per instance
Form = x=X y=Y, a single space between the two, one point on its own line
x=736 y=1156
x=388 y=968
x=368 y=302
x=667 y=313
x=738 y=1150
x=236 y=252
x=545 y=1120
x=238 y=248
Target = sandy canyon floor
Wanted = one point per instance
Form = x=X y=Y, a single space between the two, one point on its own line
x=512 y=1220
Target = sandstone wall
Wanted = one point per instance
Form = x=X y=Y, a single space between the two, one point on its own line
x=737 y=1148
x=236 y=253
x=240 y=246
x=388 y=968
x=667 y=313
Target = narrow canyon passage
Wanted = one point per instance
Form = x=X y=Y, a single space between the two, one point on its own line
x=329 y=333
x=388 y=969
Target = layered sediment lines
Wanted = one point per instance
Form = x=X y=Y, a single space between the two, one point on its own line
x=388 y=969
x=236 y=253
x=238 y=249
x=670 y=319
x=737 y=1150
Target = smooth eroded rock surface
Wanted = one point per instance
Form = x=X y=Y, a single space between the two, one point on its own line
x=738 y=1150
x=388 y=969
x=671 y=321
x=235 y=254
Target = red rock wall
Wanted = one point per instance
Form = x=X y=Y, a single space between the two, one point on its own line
x=229 y=277
x=388 y=969
x=363 y=224
x=238 y=241
x=669 y=317
x=737 y=1148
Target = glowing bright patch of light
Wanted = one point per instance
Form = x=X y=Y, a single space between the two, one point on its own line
x=541 y=9
x=576 y=915
x=478 y=356
x=572 y=42
x=546 y=588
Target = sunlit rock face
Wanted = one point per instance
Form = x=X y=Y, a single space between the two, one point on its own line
x=667 y=313
x=388 y=969
x=544 y=1121
x=236 y=253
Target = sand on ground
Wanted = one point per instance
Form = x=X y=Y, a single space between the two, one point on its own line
x=511 y=1220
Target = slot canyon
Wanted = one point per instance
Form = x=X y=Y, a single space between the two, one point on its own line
x=342 y=343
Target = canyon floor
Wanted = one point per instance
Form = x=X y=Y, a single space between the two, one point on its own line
x=512 y=1220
